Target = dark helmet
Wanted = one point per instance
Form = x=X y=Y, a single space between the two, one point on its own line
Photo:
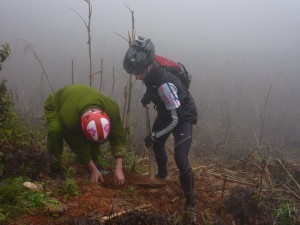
x=139 y=56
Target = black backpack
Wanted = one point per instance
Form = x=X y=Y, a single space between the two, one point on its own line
x=177 y=69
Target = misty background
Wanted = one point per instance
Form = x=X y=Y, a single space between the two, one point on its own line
x=244 y=57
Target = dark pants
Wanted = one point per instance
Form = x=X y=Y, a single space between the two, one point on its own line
x=183 y=139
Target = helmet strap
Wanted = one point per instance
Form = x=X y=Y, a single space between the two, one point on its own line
x=148 y=70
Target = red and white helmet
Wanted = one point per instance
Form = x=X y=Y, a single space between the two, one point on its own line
x=95 y=125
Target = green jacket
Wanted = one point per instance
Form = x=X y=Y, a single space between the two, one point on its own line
x=63 y=110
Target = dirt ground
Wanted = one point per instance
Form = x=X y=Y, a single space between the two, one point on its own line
x=238 y=194
x=96 y=201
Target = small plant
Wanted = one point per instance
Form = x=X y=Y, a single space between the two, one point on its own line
x=16 y=198
x=207 y=222
x=131 y=191
x=69 y=188
x=3 y=216
x=70 y=172
x=32 y=199
x=283 y=214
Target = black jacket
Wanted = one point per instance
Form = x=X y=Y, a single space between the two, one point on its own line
x=158 y=76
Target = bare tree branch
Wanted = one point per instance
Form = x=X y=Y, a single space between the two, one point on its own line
x=86 y=25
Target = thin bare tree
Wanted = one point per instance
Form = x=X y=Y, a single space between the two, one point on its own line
x=264 y=116
x=72 y=72
x=101 y=74
x=29 y=48
x=114 y=81
x=89 y=42
x=128 y=94
x=129 y=84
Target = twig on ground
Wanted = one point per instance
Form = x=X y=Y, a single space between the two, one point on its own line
x=139 y=208
x=231 y=179
x=287 y=172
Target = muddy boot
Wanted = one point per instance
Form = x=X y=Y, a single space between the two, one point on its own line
x=190 y=208
x=187 y=183
x=161 y=175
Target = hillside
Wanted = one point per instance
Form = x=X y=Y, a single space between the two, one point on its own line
x=241 y=194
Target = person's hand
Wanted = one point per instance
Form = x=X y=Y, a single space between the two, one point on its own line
x=96 y=175
x=119 y=177
x=149 y=140
x=146 y=100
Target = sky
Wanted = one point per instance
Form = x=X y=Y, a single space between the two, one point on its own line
x=195 y=32
x=246 y=44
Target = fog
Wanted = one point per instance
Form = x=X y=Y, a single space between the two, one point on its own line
x=237 y=52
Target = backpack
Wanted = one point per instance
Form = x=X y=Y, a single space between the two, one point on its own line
x=177 y=69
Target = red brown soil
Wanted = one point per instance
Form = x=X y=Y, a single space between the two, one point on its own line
x=104 y=199
x=241 y=195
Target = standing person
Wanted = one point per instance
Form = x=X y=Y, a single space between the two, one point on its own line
x=176 y=113
x=85 y=119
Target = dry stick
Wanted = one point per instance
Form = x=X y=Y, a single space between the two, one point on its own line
x=230 y=179
x=88 y=27
x=284 y=118
x=150 y=150
x=211 y=132
x=44 y=72
x=114 y=81
x=267 y=171
x=90 y=39
x=127 y=93
x=72 y=71
x=255 y=135
x=264 y=115
x=290 y=191
x=129 y=86
x=257 y=199
x=132 y=24
x=199 y=167
x=121 y=37
x=283 y=185
x=139 y=208
x=30 y=48
x=243 y=159
x=126 y=124
x=125 y=102
x=101 y=74
x=222 y=195
x=287 y=172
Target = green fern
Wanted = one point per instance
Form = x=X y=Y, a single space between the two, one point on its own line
x=69 y=188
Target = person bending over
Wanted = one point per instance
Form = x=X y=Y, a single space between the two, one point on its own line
x=85 y=119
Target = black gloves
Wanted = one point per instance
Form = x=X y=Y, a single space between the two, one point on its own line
x=146 y=100
x=149 y=140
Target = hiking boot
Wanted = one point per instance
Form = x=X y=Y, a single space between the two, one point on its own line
x=190 y=215
x=57 y=174
x=161 y=176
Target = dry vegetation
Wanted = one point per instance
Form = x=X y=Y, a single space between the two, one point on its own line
x=250 y=191
x=236 y=183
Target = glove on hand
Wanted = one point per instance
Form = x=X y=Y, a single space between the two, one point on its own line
x=149 y=140
x=145 y=100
